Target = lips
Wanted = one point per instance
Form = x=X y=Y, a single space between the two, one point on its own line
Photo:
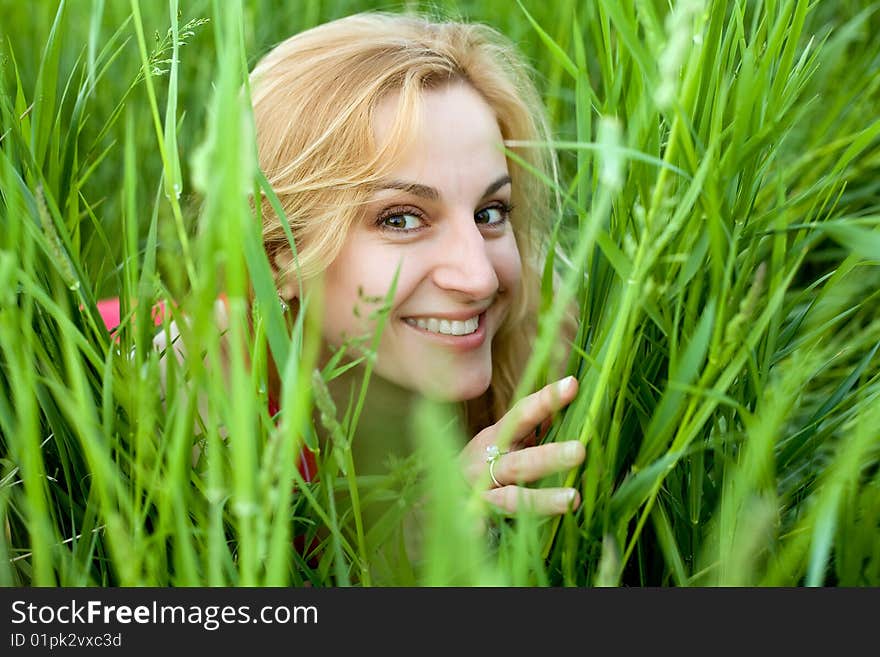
x=445 y=326
x=463 y=342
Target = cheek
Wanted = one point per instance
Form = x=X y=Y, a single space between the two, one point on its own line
x=344 y=307
x=508 y=264
x=355 y=287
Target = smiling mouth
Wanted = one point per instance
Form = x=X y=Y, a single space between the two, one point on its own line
x=446 y=326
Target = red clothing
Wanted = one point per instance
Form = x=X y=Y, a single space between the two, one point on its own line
x=110 y=313
x=109 y=309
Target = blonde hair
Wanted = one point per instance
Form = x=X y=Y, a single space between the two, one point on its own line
x=314 y=96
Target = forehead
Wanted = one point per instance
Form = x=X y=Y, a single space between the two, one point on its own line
x=451 y=123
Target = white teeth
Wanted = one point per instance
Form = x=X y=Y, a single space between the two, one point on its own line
x=446 y=326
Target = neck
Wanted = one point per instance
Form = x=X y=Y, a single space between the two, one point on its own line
x=384 y=430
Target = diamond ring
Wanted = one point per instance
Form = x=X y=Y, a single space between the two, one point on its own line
x=492 y=455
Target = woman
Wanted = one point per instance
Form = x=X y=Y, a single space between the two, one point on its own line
x=383 y=138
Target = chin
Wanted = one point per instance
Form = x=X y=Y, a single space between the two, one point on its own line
x=460 y=391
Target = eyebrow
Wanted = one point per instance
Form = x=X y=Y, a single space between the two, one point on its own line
x=431 y=193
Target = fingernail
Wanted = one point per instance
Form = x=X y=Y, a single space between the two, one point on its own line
x=572 y=451
x=563 y=386
x=566 y=497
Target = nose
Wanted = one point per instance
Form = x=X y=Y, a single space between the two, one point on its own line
x=464 y=262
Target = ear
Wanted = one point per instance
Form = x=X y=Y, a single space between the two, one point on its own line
x=288 y=284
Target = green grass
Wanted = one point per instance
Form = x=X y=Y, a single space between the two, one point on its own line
x=719 y=208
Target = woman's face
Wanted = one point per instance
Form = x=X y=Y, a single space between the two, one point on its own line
x=442 y=217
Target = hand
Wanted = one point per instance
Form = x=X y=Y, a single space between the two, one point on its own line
x=526 y=461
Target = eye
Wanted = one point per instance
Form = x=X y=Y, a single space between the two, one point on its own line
x=493 y=215
x=397 y=220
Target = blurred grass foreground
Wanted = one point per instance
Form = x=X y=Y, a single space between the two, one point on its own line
x=719 y=192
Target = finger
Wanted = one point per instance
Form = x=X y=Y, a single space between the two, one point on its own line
x=529 y=412
x=542 y=501
x=534 y=409
x=532 y=463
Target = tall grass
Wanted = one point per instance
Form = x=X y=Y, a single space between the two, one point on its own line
x=719 y=207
